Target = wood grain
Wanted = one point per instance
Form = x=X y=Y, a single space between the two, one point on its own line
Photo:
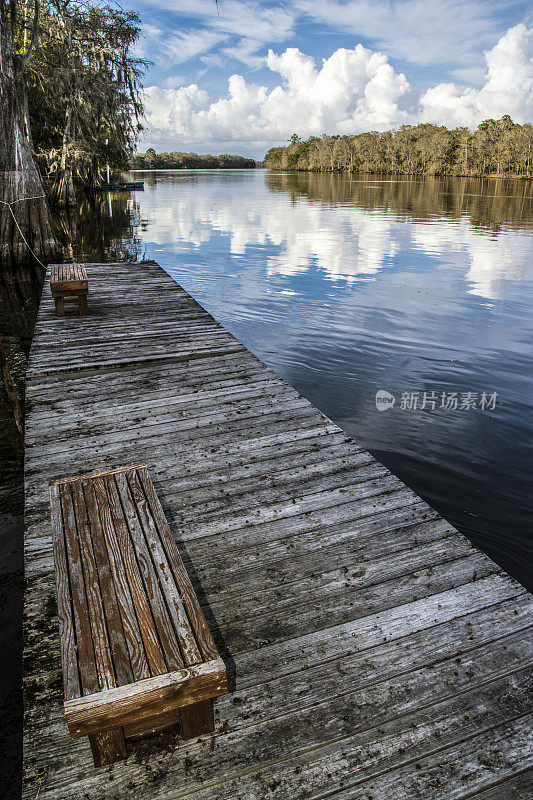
x=145 y=699
x=363 y=635
x=132 y=599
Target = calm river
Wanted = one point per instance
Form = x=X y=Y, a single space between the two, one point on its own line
x=349 y=286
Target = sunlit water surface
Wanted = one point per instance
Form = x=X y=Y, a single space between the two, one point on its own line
x=347 y=286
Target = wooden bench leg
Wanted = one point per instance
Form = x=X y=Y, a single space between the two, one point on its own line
x=60 y=306
x=82 y=302
x=152 y=725
x=197 y=719
x=108 y=747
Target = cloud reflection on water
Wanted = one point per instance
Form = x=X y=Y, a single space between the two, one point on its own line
x=346 y=286
x=348 y=238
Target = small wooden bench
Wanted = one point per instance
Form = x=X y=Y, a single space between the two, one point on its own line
x=137 y=653
x=69 y=284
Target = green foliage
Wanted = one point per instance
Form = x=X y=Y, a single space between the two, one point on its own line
x=153 y=160
x=83 y=85
x=497 y=147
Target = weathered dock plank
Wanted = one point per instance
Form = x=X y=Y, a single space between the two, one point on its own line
x=372 y=651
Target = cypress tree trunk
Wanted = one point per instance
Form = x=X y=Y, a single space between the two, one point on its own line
x=19 y=177
x=63 y=193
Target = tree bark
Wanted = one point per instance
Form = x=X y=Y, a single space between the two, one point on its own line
x=19 y=177
x=63 y=193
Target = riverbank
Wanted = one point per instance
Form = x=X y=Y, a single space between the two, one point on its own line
x=153 y=160
x=497 y=147
x=384 y=174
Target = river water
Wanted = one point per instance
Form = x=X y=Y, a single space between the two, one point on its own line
x=348 y=286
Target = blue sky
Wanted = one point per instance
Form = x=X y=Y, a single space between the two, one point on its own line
x=317 y=79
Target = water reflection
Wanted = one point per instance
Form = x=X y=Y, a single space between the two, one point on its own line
x=20 y=288
x=491 y=220
x=490 y=204
x=348 y=285
x=349 y=228
x=102 y=228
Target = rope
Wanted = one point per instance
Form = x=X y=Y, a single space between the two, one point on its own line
x=21 y=200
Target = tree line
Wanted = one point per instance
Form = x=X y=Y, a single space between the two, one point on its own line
x=497 y=147
x=153 y=160
x=69 y=104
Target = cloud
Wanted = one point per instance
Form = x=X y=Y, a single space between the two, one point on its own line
x=174 y=81
x=348 y=244
x=180 y=47
x=171 y=112
x=423 y=32
x=353 y=90
x=508 y=87
x=268 y=23
x=168 y=49
x=246 y=51
x=250 y=25
x=492 y=261
x=143 y=45
x=344 y=242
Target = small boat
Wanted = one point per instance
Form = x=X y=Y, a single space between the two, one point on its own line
x=131 y=187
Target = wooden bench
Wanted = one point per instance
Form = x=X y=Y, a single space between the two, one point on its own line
x=137 y=653
x=69 y=284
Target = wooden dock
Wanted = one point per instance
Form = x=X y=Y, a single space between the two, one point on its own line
x=373 y=653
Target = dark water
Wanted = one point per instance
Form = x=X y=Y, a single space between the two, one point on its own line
x=346 y=286
x=19 y=293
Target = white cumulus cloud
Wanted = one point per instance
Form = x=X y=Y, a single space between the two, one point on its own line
x=354 y=90
x=171 y=112
x=351 y=91
x=508 y=87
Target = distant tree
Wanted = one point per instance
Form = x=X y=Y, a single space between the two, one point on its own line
x=150 y=160
x=497 y=147
x=150 y=157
